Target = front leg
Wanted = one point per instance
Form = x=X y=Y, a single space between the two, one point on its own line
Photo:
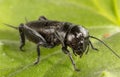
x=64 y=48
x=93 y=46
x=61 y=40
x=22 y=37
x=70 y=56
x=66 y=51
x=87 y=49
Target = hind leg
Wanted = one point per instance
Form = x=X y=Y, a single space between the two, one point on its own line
x=22 y=37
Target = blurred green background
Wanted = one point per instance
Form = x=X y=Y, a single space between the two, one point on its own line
x=100 y=17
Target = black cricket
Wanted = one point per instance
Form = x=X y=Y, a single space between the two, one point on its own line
x=50 y=33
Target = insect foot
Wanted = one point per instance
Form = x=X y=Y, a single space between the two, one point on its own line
x=36 y=62
x=96 y=49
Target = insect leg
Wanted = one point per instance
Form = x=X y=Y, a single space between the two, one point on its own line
x=81 y=55
x=38 y=53
x=70 y=56
x=66 y=51
x=37 y=38
x=87 y=49
x=22 y=37
x=93 y=46
x=64 y=48
x=74 y=53
x=61 y=40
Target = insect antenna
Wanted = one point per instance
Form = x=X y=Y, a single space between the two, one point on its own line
x=106 y=46
x=10 y=26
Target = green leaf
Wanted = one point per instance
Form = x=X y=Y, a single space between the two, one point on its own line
x=100 y=17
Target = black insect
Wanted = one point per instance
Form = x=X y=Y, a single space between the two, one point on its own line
x=49 y=33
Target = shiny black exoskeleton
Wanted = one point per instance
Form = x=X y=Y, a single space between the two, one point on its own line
x=49 y=33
